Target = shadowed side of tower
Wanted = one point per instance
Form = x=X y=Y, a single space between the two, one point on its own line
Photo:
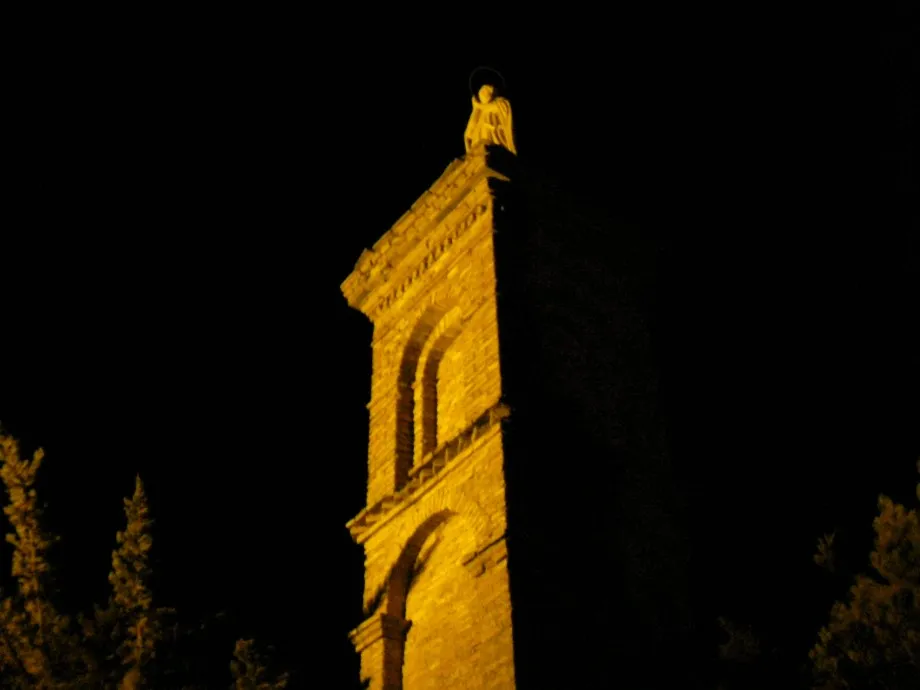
x=598 y=538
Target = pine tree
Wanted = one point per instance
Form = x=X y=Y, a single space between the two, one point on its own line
x=249 y=669
x=39 y=650
x=130 y=622
x=126 y=645
x=873 y=639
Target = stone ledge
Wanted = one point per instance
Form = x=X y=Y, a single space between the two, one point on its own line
x=428 y=260
x=378 y=627
x=425 y=475
x=375 y=266
x=493 y=554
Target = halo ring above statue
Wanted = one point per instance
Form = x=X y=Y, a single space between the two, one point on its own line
x=485 y=75
x=490 y=121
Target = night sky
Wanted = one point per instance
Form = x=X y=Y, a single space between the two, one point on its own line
x=185 y=204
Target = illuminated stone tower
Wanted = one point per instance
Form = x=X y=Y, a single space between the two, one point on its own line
x=436 y=582
x=518 y=531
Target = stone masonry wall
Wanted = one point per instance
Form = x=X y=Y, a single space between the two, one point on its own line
x=436 y=580
x=458 y=599
x=467 y=648
x=464 y=278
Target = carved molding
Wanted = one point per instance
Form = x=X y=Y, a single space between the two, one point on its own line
x=376 y=266
x=423 y=265
x=380 y=626
x=487 y=557
x=425 y=474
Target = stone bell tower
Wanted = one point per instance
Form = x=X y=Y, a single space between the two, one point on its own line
x=436 y=596
x=525 y=527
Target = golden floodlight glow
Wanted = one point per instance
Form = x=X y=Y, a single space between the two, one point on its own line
x=490 y=121
x=436 y=593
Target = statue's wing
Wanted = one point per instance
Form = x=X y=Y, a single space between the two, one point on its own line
x=473 y=119
x=508 y=130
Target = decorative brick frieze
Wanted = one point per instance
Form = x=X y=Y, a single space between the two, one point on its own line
x=430 y=258
x=377 y=267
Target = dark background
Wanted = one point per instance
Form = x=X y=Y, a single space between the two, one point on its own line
x=185 y=196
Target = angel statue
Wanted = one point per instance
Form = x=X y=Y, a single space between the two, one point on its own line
x=490 y=121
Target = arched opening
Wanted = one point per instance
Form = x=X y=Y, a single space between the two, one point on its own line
x=405 y=391
x=408 y=563
x=430 y=385
x=433 y=592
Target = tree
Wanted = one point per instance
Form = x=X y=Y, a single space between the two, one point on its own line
x=873 y=639
x=249 y=669
x=38 y=649
x=129 y=630
x=127 y=644
x=737 y=654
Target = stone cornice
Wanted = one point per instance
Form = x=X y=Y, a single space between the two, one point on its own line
x=411 y=290
x=426 y=474
x=380 y=626
x=487 y=557
x=376 y=267
x=379 y=306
